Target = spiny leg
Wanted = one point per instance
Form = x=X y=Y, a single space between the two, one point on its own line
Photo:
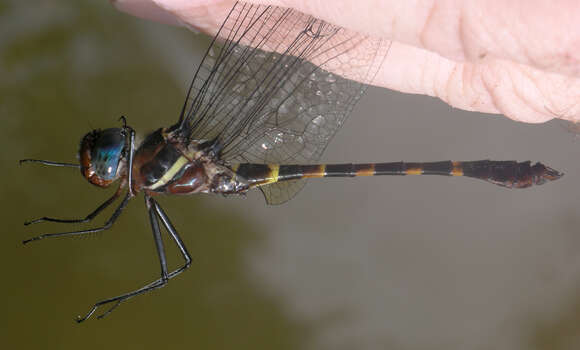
x=178 y=241
x=156 y=284
x=155 y=211
x=87 y=218
x=107 y=225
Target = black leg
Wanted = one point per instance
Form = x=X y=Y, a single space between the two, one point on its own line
x=130 y=161
x=107 y=225
x=85 y=219
x=157 y=238
x=173 y=232
x=131 y=152
x=154 y=209
x=48 y=162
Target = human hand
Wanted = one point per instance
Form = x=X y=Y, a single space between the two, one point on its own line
x=518 y=58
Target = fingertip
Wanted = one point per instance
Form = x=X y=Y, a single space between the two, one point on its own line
x=518 y=91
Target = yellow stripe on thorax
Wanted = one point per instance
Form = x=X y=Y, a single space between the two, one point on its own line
x=169 y=174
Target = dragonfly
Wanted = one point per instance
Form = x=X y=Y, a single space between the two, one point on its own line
x=263 y=105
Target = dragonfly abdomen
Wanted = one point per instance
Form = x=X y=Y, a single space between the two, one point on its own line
x=510 y=173
x=502 y=173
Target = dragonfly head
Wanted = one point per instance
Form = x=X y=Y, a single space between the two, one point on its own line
x=102 y=155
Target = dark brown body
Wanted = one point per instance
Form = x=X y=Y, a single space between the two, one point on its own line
x=266 y=77
x=162 y=164
x=510 y=174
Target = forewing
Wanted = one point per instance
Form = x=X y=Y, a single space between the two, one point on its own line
x=272 y=91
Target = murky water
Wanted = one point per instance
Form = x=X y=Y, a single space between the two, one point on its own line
x=402 y=263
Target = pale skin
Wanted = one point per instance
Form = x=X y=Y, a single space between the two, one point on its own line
x=519 y=58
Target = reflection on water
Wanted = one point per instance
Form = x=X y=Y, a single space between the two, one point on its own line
x=370 y=264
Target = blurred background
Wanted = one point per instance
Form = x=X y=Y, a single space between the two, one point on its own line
x=368 y=263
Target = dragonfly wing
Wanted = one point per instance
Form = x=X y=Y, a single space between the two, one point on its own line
x=281 y=192
x=272 y=90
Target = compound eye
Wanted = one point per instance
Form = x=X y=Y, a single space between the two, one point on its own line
x=107 y=153
x=101 y=154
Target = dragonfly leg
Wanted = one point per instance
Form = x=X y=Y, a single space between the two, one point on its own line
x=130 y=160
x=49 y=163
x=107 y=225
x=87 y=218
x=155 y=211
x=173 y=232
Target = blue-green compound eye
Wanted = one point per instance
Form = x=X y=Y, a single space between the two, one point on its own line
x=107 y=152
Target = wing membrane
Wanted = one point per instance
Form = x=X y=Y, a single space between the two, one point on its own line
x=281 y=192
x=270 y=90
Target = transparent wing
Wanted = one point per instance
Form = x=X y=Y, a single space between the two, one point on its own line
x=281 y=192
x=299 y=120
x=271 y=91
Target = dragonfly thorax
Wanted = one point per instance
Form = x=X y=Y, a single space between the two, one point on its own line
x=165 y=163
x=101 y=155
